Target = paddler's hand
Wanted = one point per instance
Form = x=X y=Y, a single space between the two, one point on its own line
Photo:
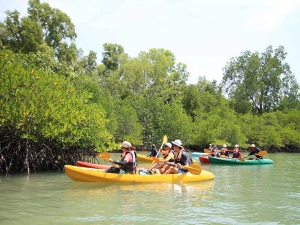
x=110 y=160
x=179 y=166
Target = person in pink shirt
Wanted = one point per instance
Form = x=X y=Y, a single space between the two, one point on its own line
x=128 y=162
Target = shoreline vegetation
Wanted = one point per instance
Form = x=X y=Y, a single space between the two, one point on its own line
x=59 y=105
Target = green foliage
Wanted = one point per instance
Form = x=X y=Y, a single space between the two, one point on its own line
x=51 y=90
x=111 y=56
x=260 y=78
x=128 y=126
x=57 y=25
x=41 y=105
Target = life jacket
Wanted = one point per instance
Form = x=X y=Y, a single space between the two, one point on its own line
x=179 y=159
x=130 y=167
x=166 y=155
x=225 y=152
x=236 y=155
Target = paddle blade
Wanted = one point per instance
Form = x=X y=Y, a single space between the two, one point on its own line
x=206 y=150
x=194 y=169
x=165 y=139
x=157 y=160
x=222 y=156
x=242 y=159
x=104 y=155
x=262 y=153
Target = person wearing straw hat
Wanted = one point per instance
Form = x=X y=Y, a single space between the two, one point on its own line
x=253 y=151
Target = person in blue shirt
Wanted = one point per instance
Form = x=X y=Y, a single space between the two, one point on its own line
x=214 y=152
x=154 y=151
x=254 y=151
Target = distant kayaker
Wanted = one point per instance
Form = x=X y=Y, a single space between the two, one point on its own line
x=128 y=162
x=224 y=152
x=214 y=152
x=236 y=152
x=254 y=151
x=154 y=152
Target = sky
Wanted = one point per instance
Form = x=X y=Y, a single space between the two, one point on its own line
x=203 y=34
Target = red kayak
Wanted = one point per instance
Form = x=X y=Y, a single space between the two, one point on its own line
x=203 y=159
x=96 y=166
x=91 y=165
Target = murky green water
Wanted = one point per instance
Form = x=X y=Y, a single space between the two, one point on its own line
x=266 y=194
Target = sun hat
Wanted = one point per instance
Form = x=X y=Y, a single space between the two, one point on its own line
x=252 y=145
x=169 y=145
x=126 y=144
x=177 y=143
x=236 y=146
x=224 y=146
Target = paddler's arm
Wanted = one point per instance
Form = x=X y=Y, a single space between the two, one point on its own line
x=121 y=163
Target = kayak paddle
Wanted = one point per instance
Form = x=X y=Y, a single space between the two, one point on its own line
x=165 y=140
x=206 y=150
x=262 y=153
x=106 y=156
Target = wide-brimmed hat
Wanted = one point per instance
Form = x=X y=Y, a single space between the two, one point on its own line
x=236 y=146
x=177 y=143
x=252 y=145
x=224 y=146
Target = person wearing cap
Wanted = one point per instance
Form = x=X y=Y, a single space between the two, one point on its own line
x=181 y=159
x=168 y=153
x=214 y=152
x=236 y=152
x=224 y=152
x=128 y=162
x=168 y=156
x=210 y=147
x=154 y=151
x=253 y=151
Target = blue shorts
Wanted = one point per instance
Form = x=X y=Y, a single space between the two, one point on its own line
x=181 y=171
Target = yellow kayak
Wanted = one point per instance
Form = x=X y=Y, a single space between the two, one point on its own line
x=149 y=159
x=144 y=158
x=97 y=175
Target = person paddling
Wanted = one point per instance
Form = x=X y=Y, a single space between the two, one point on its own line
x=224 y=152
x=181 y=159
x=168 y=156
x=236 y=152
x=128 y=162
x=254 y=151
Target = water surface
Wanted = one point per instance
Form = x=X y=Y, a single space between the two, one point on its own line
x=259 y=194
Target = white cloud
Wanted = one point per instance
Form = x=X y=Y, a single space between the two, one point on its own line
x=276 y=12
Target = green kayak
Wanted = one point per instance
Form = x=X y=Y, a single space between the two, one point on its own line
x=230 y=161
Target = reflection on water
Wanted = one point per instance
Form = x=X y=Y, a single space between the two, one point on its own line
x=134 y=201
x=266 y=194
